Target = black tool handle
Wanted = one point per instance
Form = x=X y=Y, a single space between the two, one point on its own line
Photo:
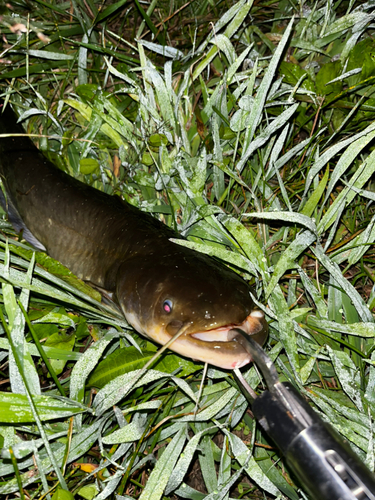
x=324 y=464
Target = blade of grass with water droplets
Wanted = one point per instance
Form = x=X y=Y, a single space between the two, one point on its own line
x=348 y=288
x=289 y=257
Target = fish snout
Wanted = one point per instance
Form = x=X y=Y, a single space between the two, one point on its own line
x=256 y=326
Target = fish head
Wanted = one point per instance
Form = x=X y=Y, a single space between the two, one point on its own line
x=185 y=289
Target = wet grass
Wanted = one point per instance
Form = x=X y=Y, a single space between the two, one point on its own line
x=251 y=132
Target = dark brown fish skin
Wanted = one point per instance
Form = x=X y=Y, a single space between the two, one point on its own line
x=119 y=248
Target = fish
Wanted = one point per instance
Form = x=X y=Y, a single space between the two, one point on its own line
x=159 y=285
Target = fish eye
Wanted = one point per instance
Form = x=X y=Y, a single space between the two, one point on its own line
x=168 y=306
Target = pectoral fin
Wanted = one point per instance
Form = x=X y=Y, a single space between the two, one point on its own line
x=16 y=220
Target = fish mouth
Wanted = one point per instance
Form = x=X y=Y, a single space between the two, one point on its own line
x=254 y=325
x=216 y=346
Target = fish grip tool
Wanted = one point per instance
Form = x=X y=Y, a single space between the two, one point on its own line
x=326 y=466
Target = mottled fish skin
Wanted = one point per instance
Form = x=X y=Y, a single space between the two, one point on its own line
x=158 y=284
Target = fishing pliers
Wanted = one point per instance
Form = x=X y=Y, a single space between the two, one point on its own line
x=326 y=466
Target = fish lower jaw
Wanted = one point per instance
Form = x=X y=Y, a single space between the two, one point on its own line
x=252 y=325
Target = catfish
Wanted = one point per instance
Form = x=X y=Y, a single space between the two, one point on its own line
x=160 y=286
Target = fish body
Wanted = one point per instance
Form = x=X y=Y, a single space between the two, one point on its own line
x=159 y=285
